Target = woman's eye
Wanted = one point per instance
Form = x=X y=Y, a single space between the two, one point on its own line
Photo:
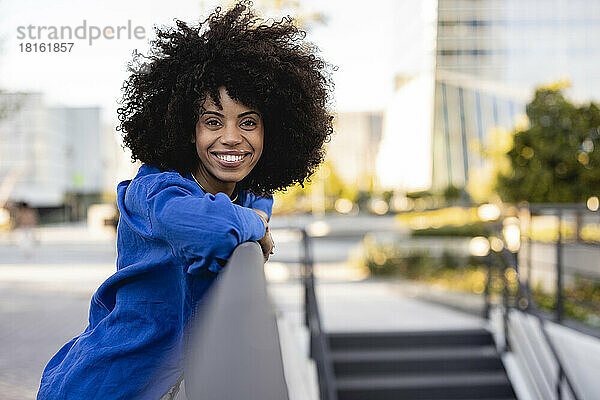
x=248 y=123
x=212 y=122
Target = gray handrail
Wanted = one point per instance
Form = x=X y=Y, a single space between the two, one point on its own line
x=234 y=352
x=319 y=345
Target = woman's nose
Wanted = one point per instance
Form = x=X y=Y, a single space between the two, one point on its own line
x=231 y=136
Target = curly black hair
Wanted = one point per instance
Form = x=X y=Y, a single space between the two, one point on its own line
x=263 y=65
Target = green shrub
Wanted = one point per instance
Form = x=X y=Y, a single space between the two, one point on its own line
x=468 y=230
x=391 y=260
x=581 y=301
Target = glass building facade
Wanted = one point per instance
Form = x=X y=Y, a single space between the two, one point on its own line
x=490 y=57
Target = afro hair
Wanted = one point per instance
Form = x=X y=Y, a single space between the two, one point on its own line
x=263 y=65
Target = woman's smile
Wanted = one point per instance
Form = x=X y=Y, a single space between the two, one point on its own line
x=231 y=159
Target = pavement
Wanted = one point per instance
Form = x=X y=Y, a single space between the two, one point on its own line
x=45 y=294
x=370 y=306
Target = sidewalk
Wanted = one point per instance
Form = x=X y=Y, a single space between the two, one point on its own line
x=370 y=306
x=78 y=232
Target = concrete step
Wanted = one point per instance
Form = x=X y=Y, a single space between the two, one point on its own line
x=417 y=360
x=471 y=385
x=409 y=339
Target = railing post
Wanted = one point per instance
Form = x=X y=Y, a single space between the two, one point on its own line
x=529 y=248
x=559 y=382
x=307 y=274
x=503 y=270
x=559 y=287
x=488 y=265
x=559 y=271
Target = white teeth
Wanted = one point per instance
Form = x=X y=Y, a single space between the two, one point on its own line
x=229 y=157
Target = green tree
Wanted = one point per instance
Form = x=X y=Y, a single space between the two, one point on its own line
x=557 y=158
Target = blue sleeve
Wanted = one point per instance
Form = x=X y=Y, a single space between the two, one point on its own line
x=200 y=228
x=261 y=203
x=119 y=358
x=132 y=349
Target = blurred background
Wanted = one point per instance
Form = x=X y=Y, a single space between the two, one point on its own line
x=462 y=128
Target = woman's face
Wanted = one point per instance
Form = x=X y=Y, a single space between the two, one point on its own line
x=229 y=141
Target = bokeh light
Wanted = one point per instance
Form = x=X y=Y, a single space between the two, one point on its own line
x=479 y=246
x=593 y=203
x=488 y=212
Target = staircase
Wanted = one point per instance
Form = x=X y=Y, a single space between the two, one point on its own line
x=430 y=365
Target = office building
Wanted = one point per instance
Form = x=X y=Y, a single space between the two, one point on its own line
x=490 y=57
x=50 y=157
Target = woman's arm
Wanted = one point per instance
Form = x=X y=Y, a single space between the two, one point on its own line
x=201 y=229
x=264 y=204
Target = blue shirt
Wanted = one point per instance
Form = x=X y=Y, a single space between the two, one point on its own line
x=172 y=240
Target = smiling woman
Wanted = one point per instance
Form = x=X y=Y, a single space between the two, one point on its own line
x=221 y=115
x=267 y=68
x=229 y=143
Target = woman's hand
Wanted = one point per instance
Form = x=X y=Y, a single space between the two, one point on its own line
x=266 y=242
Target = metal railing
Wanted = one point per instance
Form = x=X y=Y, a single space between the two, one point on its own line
x=507 y=260
x=563 y=270
x=319 y=346
x=518 y=298
x=235 y=352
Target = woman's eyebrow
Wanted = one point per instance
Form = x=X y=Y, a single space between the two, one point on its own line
x=239 y=115
x=214 y=113
x=247 y=113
